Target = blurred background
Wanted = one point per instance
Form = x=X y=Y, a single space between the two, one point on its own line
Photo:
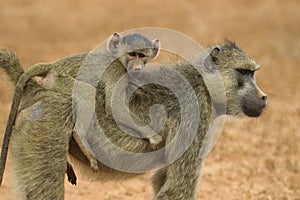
x=253 y=159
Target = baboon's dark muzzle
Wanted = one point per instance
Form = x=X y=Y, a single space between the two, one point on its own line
x=253 y=107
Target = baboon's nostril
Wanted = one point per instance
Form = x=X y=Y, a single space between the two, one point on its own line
x=264 y=97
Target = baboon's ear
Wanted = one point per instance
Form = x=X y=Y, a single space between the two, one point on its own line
x=211 y=61
x=214 y=54
x=155 y=47
x=114 y=41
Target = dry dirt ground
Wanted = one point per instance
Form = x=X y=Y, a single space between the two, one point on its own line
x=253 y=159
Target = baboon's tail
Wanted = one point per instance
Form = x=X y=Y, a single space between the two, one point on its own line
x=11 y=64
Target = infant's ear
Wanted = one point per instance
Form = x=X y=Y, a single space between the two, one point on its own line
x=155 y=47
x=115 y=40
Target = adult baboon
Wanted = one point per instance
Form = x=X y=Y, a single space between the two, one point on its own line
x=41 y=138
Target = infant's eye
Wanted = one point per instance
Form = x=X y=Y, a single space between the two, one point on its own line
x=142 y=55
x=133 y=54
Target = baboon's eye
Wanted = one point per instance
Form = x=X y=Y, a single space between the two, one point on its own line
x=133 y=54
x=142 y=55
x=246 y=72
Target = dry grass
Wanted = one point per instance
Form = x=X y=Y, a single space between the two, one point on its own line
x=255 y=159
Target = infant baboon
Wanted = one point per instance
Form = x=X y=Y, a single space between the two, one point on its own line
x=133 y=51
x=41 y=175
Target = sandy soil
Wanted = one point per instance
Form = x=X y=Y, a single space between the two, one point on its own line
x=253 y=159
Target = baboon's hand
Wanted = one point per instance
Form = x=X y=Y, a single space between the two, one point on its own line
x=156 y=142
x=94 y=164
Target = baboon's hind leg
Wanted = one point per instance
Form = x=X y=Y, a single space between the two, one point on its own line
x=39 y=158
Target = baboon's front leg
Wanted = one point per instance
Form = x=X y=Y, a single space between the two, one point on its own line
x=181 y=179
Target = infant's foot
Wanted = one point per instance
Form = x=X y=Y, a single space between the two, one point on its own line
x=94 y=164
x=155 y=141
